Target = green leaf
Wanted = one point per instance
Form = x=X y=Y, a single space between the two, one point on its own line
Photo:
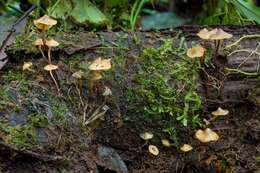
x=61 y=9
x=248 y=9
x=163 y=20
x=85 y=11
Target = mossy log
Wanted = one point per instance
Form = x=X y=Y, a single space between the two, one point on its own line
x=234 y=80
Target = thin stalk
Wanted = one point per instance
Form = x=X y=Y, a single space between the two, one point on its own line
x=42 y=53
x=56 y=83
x=49 y=54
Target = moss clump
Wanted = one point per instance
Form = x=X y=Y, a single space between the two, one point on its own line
x=166 y=86
x=20 y=136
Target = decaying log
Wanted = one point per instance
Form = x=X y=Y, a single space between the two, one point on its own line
x=236 y=80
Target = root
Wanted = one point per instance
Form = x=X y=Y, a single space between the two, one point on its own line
x=242 y=38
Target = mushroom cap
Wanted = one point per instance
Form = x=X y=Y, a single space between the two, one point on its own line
x=50 y=67
x=166 y=142
x=146 y=136
x=153 y=150
x=196 y=52
x=220 y=112
x=38 y=42
x=27 y=65
x=44 y=22
x=215 y=34
x=220 y=35
x=100 y=64
x=52 y=43
x=206 y=135
x=186 y=148
x=206 y=34
x=107 y=92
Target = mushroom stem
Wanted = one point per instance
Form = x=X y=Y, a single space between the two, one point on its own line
x=94 y=84
x=49 y=54
x=217 y=43
x=56 y=83
x=40 y=48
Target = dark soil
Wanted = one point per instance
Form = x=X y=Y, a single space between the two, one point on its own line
x=113 y=142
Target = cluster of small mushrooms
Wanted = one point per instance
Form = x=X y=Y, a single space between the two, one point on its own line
x=205 y=136
x=216 y=35
x=44 y=23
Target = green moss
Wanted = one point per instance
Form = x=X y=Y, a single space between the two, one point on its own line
x=166 y=86
x=20 y=136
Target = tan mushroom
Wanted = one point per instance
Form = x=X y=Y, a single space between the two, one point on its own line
x=50 y=67
x=220 y=35
x=220 y=112
x=206 y=135
x=196 y=52
x=146 y=136
x=216 y=34
x=186 y=148
x=100 y=64
x=205 y=34
x=27 y=66
x=39 y=42
x=153 y=150
x=166 y=142
x=51 y=43
x=96 y=67
x=44 y=23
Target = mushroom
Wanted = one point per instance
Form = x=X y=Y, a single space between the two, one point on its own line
x=216 y=34
x=50 y=68
x=218 y=37
x=166 y=142
x=206 y=135
x=45 y=22
x=27 y=66
x=153 y=150
x=220 y=112
x=96 y=67
x=40 y=43
x=205 y=34
x=51 y=43
x=186 y=148
x=146 y=136
x=196 y=52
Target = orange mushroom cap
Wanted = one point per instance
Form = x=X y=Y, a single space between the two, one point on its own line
x=45 y=22
x=196 y=52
